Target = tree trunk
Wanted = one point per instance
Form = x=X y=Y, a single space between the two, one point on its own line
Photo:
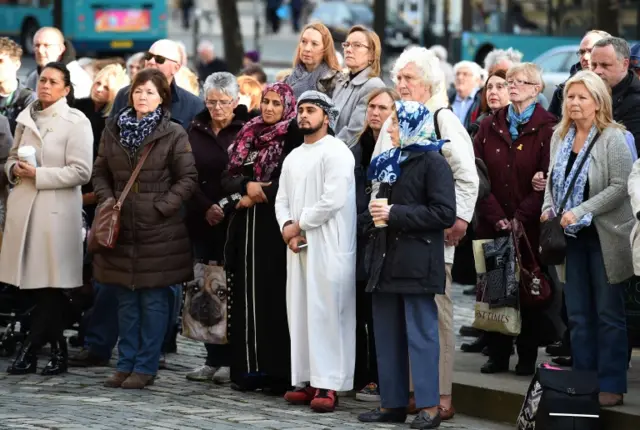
x=231 y=34
x=380 y=19
x=607 y=16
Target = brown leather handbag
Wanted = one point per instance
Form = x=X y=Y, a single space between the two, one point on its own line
x=535 y=286
x=106 y=222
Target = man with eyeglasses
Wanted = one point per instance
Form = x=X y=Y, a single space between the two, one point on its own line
x=49 y=46
x=164 y=55
x=584 y=58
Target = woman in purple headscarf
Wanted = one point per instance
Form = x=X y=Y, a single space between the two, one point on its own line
x=255 y=256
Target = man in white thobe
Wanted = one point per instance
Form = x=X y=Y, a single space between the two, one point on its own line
x=316 y=206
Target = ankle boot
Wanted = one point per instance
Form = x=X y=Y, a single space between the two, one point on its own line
x=58 y=362
x=26 y=361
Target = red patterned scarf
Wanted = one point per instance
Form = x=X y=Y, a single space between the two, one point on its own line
x=268 y=140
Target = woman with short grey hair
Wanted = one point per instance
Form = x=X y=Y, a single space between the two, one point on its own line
x=210 y=134
x=134 y=64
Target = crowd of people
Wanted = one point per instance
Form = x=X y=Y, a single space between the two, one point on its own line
x=340 y=210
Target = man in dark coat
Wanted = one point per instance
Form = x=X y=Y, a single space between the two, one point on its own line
x=610 y=60
x=208 y=62
x=164 y=55
x=584 y=52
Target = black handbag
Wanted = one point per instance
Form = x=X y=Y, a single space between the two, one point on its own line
x=561 y=400
x=553 y=244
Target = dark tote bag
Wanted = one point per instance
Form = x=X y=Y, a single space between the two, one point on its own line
x=553 y=244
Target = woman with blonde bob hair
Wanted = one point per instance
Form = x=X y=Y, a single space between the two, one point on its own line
x=597 y=218
x=362 y=57
x=250 y=93
x=315 y=64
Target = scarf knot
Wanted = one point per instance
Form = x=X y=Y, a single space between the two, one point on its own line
x=134 y=132
x=560 y=180
x=417 y=134
x=516 y=120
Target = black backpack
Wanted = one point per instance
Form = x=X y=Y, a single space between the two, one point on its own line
x=560 y=399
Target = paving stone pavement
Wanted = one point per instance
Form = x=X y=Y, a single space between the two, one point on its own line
x=78 y=400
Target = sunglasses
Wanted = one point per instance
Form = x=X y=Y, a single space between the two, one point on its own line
x=159 y=59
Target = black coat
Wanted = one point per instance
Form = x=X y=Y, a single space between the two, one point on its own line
x=211 y=157
x=407 y=257
x=362 y=152
x=626 y=99
x=555 y=107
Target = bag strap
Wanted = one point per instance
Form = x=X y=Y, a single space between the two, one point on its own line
x=516 y=245
x=575 y=177
x=436 y=126
x=134 y=175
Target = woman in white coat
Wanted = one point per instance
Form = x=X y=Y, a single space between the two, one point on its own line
x=42 y=246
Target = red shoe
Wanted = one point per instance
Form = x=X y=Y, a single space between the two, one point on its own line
x=324 y=401
x=300 y=395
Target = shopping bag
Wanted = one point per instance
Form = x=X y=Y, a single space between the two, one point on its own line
x=204 y=316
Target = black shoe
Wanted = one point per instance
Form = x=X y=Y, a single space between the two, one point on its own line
x=426 y=421
x=471 y=291
x=398 y=415
x=563 y=361
x=493 y=366
x=58 y=362
x=485 y=351
x=84 y=358
x=468 y=331
x=558 y=349
x=477 y=345
x=525 y=369
x=26 y=361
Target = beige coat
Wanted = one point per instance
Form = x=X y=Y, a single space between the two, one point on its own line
x=42 y=245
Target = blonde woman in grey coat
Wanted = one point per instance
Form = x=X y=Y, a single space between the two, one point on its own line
x=362 y=57
x=597 y=221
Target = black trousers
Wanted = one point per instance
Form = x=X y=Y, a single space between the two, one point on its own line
x=218 y=355
x=273 y=19
x=527 y=342
x=366 y=370
x=52 y=313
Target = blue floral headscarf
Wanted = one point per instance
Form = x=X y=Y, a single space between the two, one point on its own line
x=417 y=134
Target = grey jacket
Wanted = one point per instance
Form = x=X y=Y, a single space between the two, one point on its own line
x=350 y=97
x=608 y=200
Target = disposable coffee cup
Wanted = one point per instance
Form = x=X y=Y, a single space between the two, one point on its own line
x=28 y=155
x=380 y=223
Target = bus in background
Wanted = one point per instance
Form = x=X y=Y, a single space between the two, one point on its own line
x=95 y=28
x=534 y=27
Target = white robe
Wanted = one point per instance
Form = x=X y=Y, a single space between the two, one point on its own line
x=317 y=189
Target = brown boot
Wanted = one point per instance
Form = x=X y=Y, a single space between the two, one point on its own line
x=137 y=381
x=116 y=380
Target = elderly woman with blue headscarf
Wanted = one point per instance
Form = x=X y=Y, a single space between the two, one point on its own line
x=415 y=204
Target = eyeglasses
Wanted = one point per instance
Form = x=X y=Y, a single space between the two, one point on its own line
x=356 y=45
x=581 y=52
x=519 y=82
x=215 y=103
x=159 y=59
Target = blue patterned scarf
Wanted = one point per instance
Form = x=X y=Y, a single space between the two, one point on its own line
x=132 y=131
x=560 y=183
x=516 y=120
x=417 y=134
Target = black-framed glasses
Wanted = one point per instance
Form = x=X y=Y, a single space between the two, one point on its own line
x=159 y=59
x=581 y=52
x=356 y=45
x=519 y=82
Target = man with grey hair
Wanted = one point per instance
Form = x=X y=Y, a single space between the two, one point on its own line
x=502 y=59
x=442 y=54
x=584 y=59
x=208 y=62
x=465 y=100
x=610 y=61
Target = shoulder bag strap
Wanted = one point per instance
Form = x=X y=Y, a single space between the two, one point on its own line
x=134 y=175
x=436 y=126
x=575 y=177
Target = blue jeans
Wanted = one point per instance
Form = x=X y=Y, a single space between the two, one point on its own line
x=407 y=324
x=596 y=311
x=142 y=318
x=175 y=306
x=101 y=332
